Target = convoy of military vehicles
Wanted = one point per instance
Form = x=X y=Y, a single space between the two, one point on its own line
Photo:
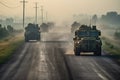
x=87 y=38
x=33 y=31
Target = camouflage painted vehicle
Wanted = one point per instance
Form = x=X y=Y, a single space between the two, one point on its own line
x=32 y=32
x=87 y=40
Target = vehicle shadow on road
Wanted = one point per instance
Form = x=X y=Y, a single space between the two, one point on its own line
x=109 y=56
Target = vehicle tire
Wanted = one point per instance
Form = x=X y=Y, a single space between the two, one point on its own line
x=98 y=52
x=77 y=52
x=39 y=38
x=26 y=40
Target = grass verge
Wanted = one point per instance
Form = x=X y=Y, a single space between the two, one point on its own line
x=8 y=46
x=112 y=49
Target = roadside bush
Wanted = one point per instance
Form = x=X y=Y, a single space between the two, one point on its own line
x=4 y=32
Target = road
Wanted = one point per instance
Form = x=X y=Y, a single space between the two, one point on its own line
x=43 y=61
x=88 y=67
x=28 y=65
x=35 y=61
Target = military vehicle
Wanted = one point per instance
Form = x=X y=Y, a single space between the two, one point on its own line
x=44 y=27
x=74 y=26
x=87 y=39
x=32 y=32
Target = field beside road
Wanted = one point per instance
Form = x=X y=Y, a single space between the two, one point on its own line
x=110 y=45
x=37 y=60
x=8 y=45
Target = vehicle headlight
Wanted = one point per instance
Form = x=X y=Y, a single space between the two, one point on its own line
x=78 y=42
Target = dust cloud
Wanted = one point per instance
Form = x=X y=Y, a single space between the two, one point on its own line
x=61 y=37
x=56 y=44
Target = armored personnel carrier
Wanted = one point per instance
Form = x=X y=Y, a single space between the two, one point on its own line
x=87 y=39
x=32 y=32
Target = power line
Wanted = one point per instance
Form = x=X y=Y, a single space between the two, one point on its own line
x=8 y=6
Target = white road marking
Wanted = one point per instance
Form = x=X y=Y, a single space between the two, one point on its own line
x=102 y=70
x=100 y=75
x=43 y=67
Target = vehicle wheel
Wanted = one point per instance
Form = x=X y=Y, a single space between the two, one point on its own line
x=98 y=52
x=39 y=38
x=26 y=40
x=77 y=52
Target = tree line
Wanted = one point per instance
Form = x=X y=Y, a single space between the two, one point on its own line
x=6 y=31
x=111 y=18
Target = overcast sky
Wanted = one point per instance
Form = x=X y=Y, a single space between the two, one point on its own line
x=61 y=9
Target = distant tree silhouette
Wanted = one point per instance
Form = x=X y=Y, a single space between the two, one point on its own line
x=111 y=18
x=4 y=32
x=74 y=26
x=10 y=28
x=94 y=19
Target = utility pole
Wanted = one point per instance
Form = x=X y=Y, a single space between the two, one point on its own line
x=90 y=21
x=46 y=16
x=42 y=13
x=23 y=12
x=36 y=7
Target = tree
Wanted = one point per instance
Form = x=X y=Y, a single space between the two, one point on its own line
x=112 y=18
x=3 y=31
x=94 y=19
x=10 y=28
x=74 y=26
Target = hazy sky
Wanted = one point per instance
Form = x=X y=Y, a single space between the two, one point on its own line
x=61 y=9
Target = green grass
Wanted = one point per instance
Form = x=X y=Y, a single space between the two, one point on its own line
x=5 y=39
x=112 y=49
x=7 y=49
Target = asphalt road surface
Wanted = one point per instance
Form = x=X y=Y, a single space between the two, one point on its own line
x=35 y=61
x=28 y=64
x=88 y=67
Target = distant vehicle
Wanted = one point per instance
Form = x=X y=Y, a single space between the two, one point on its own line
x=44 y=27
x=50 y=24
x=87 y=40
x=74 y=26
x=32 y=32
